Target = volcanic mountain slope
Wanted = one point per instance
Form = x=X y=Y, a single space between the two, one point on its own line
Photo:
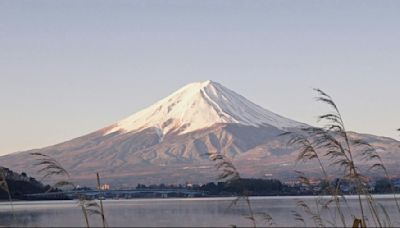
x=169 y=142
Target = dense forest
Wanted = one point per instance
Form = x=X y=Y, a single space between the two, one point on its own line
x=19 y=184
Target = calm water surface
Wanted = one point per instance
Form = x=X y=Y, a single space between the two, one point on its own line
x=168 y=212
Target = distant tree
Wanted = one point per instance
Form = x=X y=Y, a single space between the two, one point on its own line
x=141 y=186
x=255 y=186
x=383 y=186
x=210 y=187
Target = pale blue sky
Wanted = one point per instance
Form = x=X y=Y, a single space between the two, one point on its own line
x=68 y=68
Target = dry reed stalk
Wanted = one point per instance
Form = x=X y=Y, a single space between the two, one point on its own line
x=333 y=142
x=103 y=218
x=228 y=174
x=5 y=187
x=51 y=167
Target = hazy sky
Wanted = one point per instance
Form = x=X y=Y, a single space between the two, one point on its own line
x=68 y=68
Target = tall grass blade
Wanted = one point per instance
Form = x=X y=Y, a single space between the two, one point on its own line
x=229 y=173
x=5 y=187
x=103 y=218
x=51 y=167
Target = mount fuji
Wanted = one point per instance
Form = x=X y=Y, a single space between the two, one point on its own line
x=198 y=106
x=170 y=142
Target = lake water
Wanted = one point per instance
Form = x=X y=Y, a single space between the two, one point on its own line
x=197 y=212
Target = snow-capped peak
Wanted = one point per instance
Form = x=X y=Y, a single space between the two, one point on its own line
x=201 y=105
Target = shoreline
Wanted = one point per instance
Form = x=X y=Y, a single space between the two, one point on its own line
x=216 y=198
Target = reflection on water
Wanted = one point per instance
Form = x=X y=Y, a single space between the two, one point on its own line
x=164 y=212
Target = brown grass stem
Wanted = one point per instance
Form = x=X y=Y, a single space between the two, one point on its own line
x=103 y=218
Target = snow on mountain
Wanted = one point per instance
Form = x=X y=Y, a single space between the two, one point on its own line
x=198 y=106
